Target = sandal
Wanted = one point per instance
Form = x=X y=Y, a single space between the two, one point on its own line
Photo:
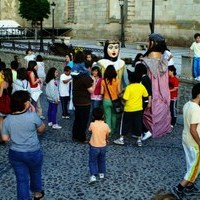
x=42 y=195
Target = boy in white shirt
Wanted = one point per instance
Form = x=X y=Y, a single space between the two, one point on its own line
x=65 y=90
x=191 y=146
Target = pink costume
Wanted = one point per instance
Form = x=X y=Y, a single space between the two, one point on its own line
x=157 y=118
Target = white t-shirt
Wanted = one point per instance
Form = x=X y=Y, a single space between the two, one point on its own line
x=196 y=48
x=166 y=56
x=41 y=70
x=29 y=57
x=191 y=115
x=64 y=87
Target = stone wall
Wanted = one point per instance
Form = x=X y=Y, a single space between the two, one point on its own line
x=176 y=20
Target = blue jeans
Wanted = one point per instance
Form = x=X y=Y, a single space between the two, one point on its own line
x=97 y=160
x=196 y=67
x=27 y=166
x=52 y=112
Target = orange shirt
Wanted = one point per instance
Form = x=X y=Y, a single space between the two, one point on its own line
x=100 y=131
x=112 y=88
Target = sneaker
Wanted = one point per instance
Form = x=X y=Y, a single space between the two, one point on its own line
x=139 y=142
x=101 y=175
x=134 y=136
x=147 y=135
x=172 y=126
x=67 y=117
x=42 y=117
x=179 y=195
x=56 y=126
x=193 y=190
x=63 y=117
x=119 y=141
x=50 y=124
x=92 y=179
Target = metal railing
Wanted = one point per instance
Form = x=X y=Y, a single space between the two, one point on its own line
x=30 y=32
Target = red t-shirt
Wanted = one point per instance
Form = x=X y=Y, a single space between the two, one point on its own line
x=173 y=82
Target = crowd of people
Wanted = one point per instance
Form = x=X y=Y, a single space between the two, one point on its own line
x=148 y=91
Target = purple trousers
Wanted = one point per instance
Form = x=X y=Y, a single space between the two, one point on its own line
x=52 y=112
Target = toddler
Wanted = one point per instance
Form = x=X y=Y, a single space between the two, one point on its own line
x=98 y=141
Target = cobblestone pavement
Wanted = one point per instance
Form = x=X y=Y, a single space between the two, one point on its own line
x=133 y=173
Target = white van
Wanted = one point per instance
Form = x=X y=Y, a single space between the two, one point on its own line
x=10 y=28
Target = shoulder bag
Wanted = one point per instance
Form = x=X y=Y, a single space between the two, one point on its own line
x=117 y=104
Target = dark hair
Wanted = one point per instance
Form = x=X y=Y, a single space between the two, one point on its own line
x=195 y=90
x=27 y=50
x=70 y=56
x=99 y=74
x=22 y=74
x=16 y=57
x=165 y=196
x=67 y=69
x=133 y=78
x=159 y=44
x=106 y=56
x=137 y=58
x=39 y=58
x=88 y=64
x=31 y=67
x=79 y=57
x=7 y=72
x=140 y=70
x=196 y=35
x=18 y=100
x=110 y=73
x=97 y=114
x=2 y=65
x=50 y=74
x=14 y=65
x=172 y=69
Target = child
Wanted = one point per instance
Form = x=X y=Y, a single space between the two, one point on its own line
x=98 y=141
x=41 y=70
x=29 y=56
x=132 y=116
x=96 y=97
x=141 y=71
x=14 y=66
x=173 y=88
x=65 y=90
x=196 y=59
x=25 y=155
x=191 y=144
x=52 y=97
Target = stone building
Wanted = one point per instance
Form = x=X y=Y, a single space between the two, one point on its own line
x=176 y=20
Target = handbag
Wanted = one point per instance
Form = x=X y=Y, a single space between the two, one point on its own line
x=117 y=104
x=5 y=103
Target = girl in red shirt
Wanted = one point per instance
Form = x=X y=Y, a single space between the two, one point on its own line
x=173 y=88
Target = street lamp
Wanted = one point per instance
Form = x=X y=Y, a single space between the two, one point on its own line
x=152 y=23
x=121 y=4
x=53 y=5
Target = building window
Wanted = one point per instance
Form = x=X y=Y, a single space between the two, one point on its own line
x=114 y=10
x=70 y=10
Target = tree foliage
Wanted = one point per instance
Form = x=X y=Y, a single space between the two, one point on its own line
x=34 y=10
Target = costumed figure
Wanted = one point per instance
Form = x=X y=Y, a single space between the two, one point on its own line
x=157 y=118
x=111 y=57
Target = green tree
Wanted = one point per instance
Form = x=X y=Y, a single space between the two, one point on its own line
x=35 y=11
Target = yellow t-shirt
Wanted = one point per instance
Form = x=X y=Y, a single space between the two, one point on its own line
x=133 y=97
x=113 y=89
x=1 y=78
x=100 y=131
x=191 y=115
